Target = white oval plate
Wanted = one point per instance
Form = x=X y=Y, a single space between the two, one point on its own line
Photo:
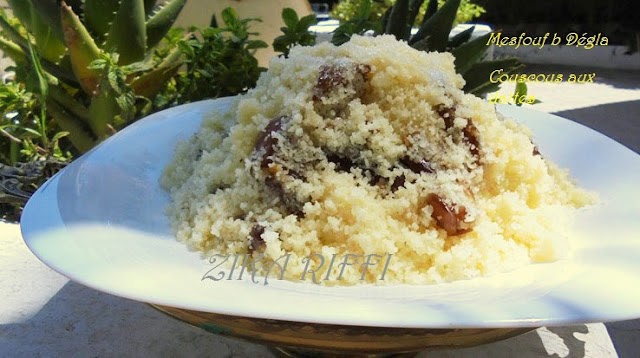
x=101 y=222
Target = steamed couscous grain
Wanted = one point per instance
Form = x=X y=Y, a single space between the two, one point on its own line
x=369 y=148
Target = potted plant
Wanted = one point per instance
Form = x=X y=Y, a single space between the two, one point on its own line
x=85 y=69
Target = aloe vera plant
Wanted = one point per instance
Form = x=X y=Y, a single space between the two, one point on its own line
x=96 y=58
x=84 y=69
x=433 y=35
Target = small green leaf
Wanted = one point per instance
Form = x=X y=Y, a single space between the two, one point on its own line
x=256 y=44
x=521 y=92
x=305 y=23
x=521 y=89
x=289 y=17
x=32 y=131
x=295 y=33
x=230 y=17
x=56 y=137
x=358 y=25
x=364 y=10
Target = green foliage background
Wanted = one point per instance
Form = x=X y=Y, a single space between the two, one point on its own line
x=346 y=10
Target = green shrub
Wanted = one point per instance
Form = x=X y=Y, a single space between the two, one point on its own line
x=84 y=72
x=346 y=10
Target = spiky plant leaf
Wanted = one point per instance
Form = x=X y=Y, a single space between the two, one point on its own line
x=461 y=38
x=62 y=70
x=69 y=103
x=49 y=12
x=477 y=78
x=397 y=23
x=12 y=50
x=469 y=53
x=102 y=110
x=128 y=35
x=151 y=83
x=433 y=35
x=432 y=7
x=414 y=10
x=48 y=44
x=98 y=15
x=148 y=7
x=22 y=10
x=385 y=19
x=160 y=22
x=82 y=49
x=79 y=135
x=12 y=34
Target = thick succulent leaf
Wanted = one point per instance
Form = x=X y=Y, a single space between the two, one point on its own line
x=49 y=45
x=42 y=19
x=461 y=38
x=397 y=23
x=433 y=35
x=62 y=70
x=385 y=18
x=158 y=24
x=22 y=10
x=98 y=15
x=432 y=8
x=12 y=34
x=102 y=111
x=477 y=78
x=414 y=10
x=151 y=83
x=69 y=103
x=42 y=83
x=148 y=6
x=128 y=34
x=12 y=50
x=469 y=53
x=49 y=13
x=213 y=22
x=82 y=49
x=79 y=135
